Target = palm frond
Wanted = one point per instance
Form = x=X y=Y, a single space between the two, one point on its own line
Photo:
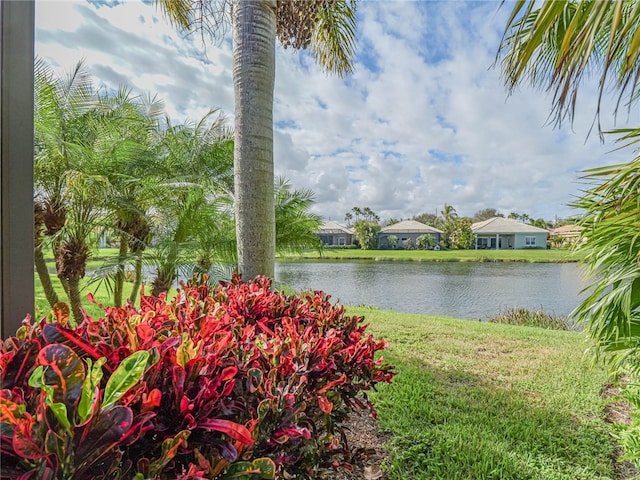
x=296 y=227
x=560 y=44
x=333 y=40
x=611 y=253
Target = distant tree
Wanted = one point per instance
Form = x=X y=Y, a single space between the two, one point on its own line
x=485 y=214
x=540 y=223
x=366 y=234
x=392 y=240
x=557 y=241
x=428 y=219
x=559 y=222
x=458 y=234
x=448 y=213
x=514 y=216
x=389 y=221
x=357 y=212
x=348 y=217
x=425 y=241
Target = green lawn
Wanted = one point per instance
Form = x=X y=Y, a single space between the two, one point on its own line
x=557 y=255
x=475 y=400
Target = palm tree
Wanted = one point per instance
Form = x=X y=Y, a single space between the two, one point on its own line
x=127 y=157
x=448 y=213
x=86 y=193
x=62 y=127
x=357 y=211
x=197 y=160
x=328 y=29
x=556 y=45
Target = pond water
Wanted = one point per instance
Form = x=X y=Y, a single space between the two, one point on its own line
x=469 y=290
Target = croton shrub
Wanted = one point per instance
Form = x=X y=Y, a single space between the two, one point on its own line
x=237 y=381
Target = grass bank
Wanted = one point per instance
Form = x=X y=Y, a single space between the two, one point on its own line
x=551 y=256
x=476 y=400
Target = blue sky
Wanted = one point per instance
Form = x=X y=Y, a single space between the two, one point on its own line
x=423 y=121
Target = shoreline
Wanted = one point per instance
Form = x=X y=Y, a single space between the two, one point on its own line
x=487 y=256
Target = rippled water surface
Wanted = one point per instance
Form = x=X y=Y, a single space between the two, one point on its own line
x=458 y=289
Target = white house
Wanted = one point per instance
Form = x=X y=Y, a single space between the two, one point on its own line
x=502 y=233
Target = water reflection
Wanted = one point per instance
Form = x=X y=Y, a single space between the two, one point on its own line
x=459 y=289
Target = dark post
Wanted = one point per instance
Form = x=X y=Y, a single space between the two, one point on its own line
x=16 y=165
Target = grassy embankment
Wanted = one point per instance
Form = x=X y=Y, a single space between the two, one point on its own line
x=474 y=400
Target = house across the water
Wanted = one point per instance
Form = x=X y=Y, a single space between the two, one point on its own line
x=500 y=233
x=407 y=233
x=565 y=235
x=334 y=234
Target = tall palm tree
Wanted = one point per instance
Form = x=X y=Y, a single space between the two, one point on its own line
x=327 y=27
x=556 y=45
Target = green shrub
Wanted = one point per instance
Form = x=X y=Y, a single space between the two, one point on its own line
x=525 y=317
x=222 y=383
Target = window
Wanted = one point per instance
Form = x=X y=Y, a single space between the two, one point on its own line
x=530 y=241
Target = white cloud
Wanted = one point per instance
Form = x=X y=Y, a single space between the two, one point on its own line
x=423 y=121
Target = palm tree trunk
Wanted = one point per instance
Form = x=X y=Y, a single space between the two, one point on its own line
x=137 y=280
x=254 y=34
x=63 y=280
x=163 y=281
x=119 y=277
x=74 y=299
x=45 y=278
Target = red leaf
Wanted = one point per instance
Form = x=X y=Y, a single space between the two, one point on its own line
x=23 y=442
x=151 y=401
x=20 y=365
x=228 y=373
x=325 y=405
x=234 y=430
x=105 y=432
x=330 y=385
x=56 y=333
x=65 y=373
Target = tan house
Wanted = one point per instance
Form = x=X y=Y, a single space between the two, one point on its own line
x=500 y=233
x=334 y=234
x=407 y=230
x=565 y=235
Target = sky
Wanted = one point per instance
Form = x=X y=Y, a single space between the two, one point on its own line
x=424 y=119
